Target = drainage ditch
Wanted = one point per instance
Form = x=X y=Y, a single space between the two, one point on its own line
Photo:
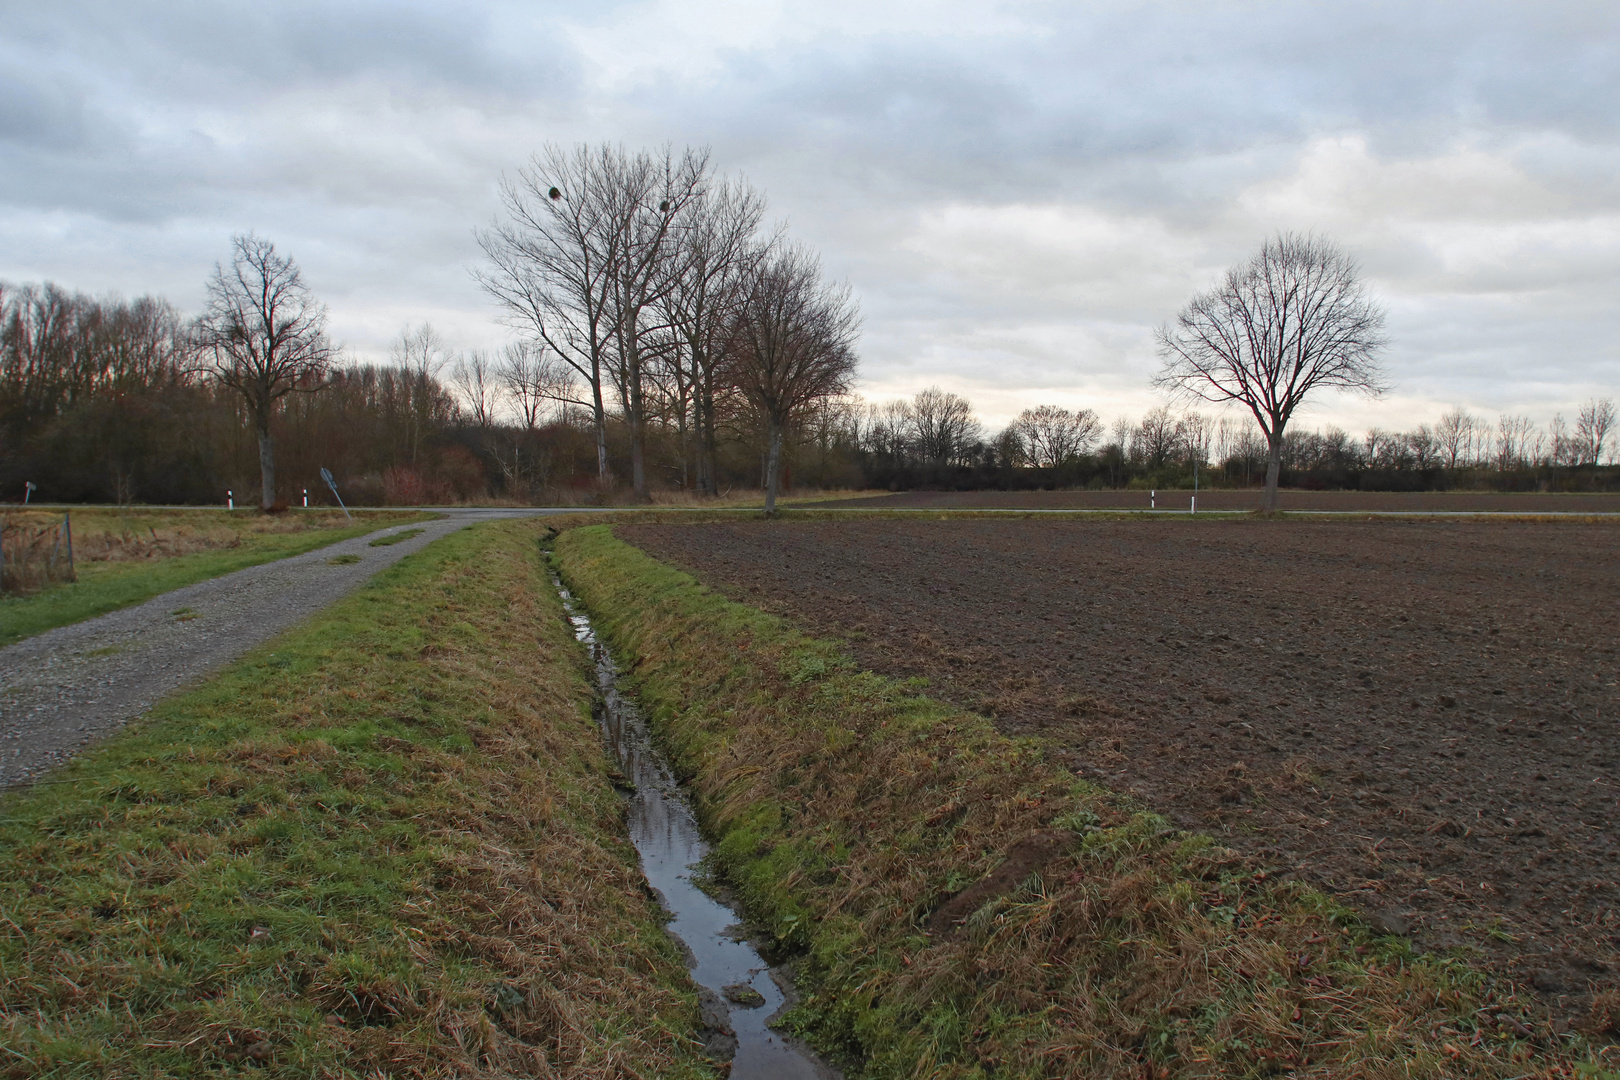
x=741 y=993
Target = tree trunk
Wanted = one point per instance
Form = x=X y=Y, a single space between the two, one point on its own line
x=599 y=418
x=684 y=393
x=708 y=481
x=267 y=465
x=638 y=452
x=773 y=467
x=638 y=455
x=1268 y=501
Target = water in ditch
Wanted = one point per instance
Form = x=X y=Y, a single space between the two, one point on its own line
x=741 y=993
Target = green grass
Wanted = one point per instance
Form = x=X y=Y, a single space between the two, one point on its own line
x=846 y=809
x=385 y=844
x=396 y=538
x=110 y=585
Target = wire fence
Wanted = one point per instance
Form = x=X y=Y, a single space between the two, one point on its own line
x=35 y=556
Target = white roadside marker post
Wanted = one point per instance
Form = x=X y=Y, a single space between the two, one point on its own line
x=230 y=501
x=306 y=496
x=1153 y=500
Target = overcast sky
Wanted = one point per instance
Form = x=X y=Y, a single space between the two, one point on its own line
x=1018 y=193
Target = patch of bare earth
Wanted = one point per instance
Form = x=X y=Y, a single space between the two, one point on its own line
x=1418 y=716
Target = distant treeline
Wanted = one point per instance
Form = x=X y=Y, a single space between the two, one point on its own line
x=108 y=400
x=105 y=400
x=934 y=441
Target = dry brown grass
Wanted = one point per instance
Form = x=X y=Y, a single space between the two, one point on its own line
x=101 y=535
x=385 y=845
x=849 y=810
x=34 y=554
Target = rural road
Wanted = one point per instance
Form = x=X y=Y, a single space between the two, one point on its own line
x=76 y=684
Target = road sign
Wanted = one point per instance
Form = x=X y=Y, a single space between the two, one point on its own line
x=326 y=474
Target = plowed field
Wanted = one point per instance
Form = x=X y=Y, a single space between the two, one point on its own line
x=1419 y=716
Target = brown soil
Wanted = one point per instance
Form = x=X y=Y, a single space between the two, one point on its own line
x=1420 y=716
x=1426 y=502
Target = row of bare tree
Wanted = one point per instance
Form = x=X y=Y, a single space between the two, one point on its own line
x=108 y=399
x=642 y=284
x=940 y=429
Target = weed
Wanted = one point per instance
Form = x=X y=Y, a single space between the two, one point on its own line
x=342 y=560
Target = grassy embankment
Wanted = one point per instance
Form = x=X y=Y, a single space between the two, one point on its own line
x=847 y=808
x=127 y=557
x=386 y=844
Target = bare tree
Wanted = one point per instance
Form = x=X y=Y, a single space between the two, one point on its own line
x=718 y=255
x=531 y=379
x=1197 y=435
x=795 y=343
x=1561 y=445
x=1453 y=435
x=1292 y=320
x=583 y=253
x=1158 y=436
x=552 y=268
x=941 y=425
x=1421 y=444
x=1010 y=449
x=1592 y=428
x=1513 y=434
x=643 y=199
x=1379 y=445
x=420 y=355
x=475 y=380
x=265 y=336
x=1051 y=435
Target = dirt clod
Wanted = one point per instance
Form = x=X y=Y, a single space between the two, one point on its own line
x=1390 y=922
x=1548 y=982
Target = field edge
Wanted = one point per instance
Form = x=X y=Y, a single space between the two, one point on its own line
x=848 y=809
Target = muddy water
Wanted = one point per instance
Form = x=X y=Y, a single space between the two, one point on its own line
x=665 y=832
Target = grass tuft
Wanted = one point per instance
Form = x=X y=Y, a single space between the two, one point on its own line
x=396 y=538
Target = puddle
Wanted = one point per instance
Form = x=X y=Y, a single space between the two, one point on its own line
x=665 y=832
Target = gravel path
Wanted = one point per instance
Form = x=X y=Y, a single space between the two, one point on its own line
x=76 y=684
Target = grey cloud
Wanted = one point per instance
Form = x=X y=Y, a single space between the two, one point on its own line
x=37 y=110
x=193 y=49
x=367 y=138
x=1084 y=95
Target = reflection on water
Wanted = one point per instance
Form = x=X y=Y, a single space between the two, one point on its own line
x=665 y=832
